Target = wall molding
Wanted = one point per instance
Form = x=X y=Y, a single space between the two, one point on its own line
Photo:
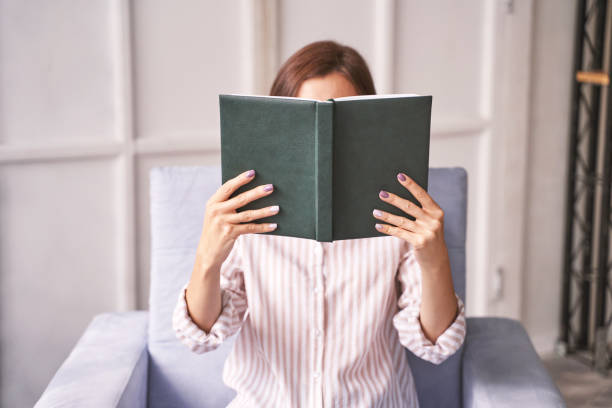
x=197 y=143
x=260 y=27
x=384 y=46
x=509 y=158
x=127 y=271
x=40 y=152
x=200 y=142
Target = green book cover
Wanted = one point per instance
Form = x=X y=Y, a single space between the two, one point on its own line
x=328 y=160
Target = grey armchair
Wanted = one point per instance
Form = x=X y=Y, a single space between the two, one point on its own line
x=133 y=359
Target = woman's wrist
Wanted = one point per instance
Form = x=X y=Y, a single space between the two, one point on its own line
x=206 y=269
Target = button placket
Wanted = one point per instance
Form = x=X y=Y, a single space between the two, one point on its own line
x=317 y=323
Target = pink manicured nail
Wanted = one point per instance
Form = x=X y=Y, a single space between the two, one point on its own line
x=274 y=209
x=401 y=177
x=383 y=194
x=378 y=226
x=250 y=173
x=268 y=187
x=377 y=213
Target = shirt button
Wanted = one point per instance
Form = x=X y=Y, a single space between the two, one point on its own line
x=318 y=250
x=316 y=375
x=316 y=289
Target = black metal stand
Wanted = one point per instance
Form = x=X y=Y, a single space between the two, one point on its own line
x=586 y=315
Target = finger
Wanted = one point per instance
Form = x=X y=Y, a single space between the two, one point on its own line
x=253 y=228
x=246 y=197
x=231 y=185
x=250 y=215
x=403 y=204
x=409 y=236
x=417 y=191
x=396 y=220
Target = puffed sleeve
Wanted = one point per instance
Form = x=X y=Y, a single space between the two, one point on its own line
x=234 y=307
x=407 y=321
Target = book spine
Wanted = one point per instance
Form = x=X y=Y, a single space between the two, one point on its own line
x=323 y=170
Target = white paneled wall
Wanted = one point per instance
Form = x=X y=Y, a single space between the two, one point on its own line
x=60 y=235
x=552 y=69
x=185 y=54
x=442 y=51
x=47 y=96
x=93 y=94
x=302 y=22
x=59 y=263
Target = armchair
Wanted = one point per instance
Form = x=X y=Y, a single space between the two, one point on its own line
x=133 y=359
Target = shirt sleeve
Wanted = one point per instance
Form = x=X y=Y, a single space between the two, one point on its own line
x=234 y=306
x=407 y=319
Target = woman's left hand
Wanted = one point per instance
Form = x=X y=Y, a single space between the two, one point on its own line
x=425 y=233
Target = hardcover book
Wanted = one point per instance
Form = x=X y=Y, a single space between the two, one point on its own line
x=327 y=160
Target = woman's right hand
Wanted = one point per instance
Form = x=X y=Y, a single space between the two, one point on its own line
x=222 y=224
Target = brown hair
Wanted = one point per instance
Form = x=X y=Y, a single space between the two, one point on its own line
x=319 y=59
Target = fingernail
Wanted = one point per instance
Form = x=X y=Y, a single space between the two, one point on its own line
x=272 y=226
x=383 y=194
x=401 y=177
x=268 y=187
x=250 y=173
x=378 y=226
x=377 y=213
x=274 y=209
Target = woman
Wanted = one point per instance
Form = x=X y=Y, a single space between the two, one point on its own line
x=323 y=324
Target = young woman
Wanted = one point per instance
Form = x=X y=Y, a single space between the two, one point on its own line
x=323 y=324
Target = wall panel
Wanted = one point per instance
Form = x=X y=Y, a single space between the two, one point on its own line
x=57 y=77
x=58 y=263
x=439 y=50
x=185 y=54
x=302 y=22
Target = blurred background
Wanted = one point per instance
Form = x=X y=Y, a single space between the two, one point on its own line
x=95 y=93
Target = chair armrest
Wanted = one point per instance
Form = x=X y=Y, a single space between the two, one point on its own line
x=108 y=367
x=502 y=369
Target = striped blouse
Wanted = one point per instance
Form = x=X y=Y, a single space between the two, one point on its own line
x=324 y=324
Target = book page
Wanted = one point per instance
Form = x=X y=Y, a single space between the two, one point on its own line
x=344 y=98
x=281 y=97
x=350 y=98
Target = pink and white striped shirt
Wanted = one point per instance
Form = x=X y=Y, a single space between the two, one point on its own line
x=323 y=324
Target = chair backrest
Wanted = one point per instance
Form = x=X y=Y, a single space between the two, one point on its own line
x=177 y=376
x=441 y=385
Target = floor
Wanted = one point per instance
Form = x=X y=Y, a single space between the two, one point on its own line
x=581 y=387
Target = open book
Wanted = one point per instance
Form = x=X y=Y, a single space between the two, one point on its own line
x=328 y=160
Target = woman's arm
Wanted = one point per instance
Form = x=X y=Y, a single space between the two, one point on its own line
x=203 y=293
x=407 y=320
x=438 y=304
x=222 y=226
x=426 y=236
x=214 y=297
x=229 y=316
